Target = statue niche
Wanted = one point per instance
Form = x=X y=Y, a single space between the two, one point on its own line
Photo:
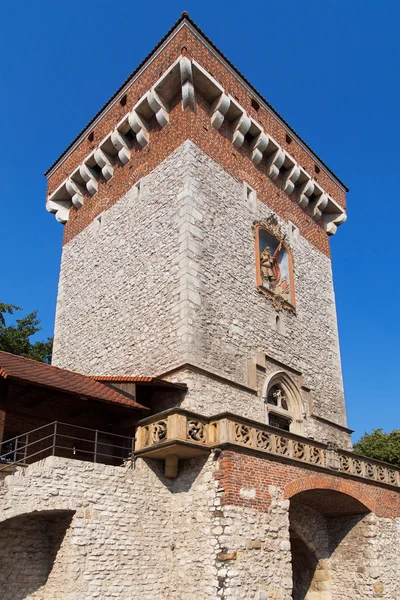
x=274 y=267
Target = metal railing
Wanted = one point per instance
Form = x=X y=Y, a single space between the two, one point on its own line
x=68 y=441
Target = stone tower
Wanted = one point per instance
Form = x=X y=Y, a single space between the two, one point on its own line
x=169 y=197
x=196 y=252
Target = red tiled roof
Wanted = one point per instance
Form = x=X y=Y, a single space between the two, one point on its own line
x=139 y=379
x=38 y=373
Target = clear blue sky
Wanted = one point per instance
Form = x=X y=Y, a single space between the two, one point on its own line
x=330 y=68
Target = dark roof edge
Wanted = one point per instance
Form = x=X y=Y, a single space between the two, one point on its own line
x=185 y=17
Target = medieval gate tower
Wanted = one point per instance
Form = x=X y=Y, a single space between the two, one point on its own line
x=196 y=251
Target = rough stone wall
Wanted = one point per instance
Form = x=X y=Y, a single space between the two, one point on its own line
x=135 y=535
x=117 y=306
x=168 y=278
x=255 y=562
x=29 y=545
x=365 y=561
x=232 y=320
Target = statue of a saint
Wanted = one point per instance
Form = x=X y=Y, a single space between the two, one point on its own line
x=270 y=270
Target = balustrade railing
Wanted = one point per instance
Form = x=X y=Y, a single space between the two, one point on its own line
x=184 y=427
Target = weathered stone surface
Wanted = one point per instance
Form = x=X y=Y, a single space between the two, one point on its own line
x=169 y=279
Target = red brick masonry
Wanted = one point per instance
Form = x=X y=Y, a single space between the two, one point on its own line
x=197 y=127
x=241 y=470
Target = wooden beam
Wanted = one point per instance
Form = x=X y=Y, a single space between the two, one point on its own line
x=3 y=407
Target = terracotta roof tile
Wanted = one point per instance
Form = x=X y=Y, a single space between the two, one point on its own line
x=38 y=373
x=155 y=381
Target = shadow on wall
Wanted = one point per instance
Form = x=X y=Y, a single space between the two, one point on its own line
x=28 y=549
x=188 y=471
x=327 y=536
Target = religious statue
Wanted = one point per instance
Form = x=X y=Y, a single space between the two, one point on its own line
x=274 y=266
x=270 y=269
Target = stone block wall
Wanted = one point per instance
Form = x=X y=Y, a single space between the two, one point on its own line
x=167 y=278
x=207 y=534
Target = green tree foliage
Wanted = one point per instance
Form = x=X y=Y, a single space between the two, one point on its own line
x=16 y=338
x=380 y=445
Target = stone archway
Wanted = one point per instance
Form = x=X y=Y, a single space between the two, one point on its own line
x=29 y=545
x=320 y=521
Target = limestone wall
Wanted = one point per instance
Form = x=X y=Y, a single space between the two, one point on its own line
x=118 y=305
x=132 y=534
x=233 y=320
x=169 y=277
x=365 y=561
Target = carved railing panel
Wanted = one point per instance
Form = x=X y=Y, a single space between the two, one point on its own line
x=185 y=427
x=196 y=431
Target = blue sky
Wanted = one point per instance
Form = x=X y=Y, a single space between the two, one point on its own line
x=330 y=68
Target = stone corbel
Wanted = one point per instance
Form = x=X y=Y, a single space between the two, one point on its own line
x=76 y=192
x=140 y=128
x=333 y=221
x=105 y=162
x=275 y=162
x=122 y=146
x=258 y=147
x=90 y=177
x=188 y=95
x=60 y=208
x=290 y=178
x=240 y=127
x=158 y=107
x=306 y=190
x=318 y=206
x=218 y=110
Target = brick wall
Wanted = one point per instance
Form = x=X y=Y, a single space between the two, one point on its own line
x=196 y=126
x=240 y=471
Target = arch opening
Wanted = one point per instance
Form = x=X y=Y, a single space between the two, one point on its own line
x=326 y=528
x=29 y=545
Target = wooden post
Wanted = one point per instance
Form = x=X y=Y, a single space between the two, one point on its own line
x=3 y=401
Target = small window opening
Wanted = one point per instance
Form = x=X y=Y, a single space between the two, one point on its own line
x=288 y=139
x=279 y=422
x=98 y=223
x=293 y=232
x=90 y=137
x=255 y=105
x=138 y=188
x=248 y=137
x=317 y=169
x=123 y=100
x=250 y=195
x=278 y=323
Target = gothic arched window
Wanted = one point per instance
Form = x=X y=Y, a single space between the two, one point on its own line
x=280 y=417
x=283 y=403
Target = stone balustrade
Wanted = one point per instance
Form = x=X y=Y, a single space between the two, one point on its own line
x=182 y=434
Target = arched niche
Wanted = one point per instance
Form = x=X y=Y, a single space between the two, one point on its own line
x=289 y=404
